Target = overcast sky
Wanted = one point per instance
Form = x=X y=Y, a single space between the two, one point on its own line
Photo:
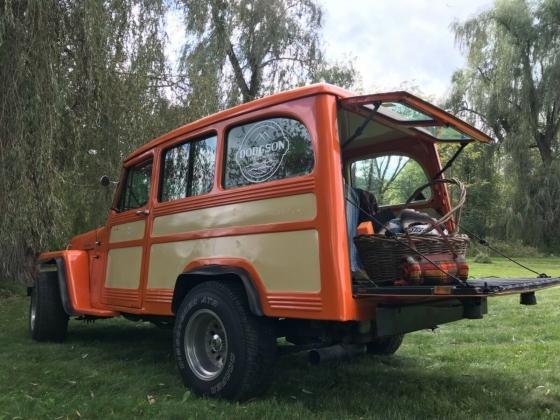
x=396 y=41
x=390 y=42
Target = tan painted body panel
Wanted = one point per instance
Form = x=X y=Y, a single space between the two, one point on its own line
x=285 y=261
x=127 y=231
x=271 y=210
x=123 y=267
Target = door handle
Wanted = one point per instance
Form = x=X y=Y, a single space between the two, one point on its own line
x=143 y=212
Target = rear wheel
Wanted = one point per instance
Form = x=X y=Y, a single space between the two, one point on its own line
x=222 y=349
x=47 y=319
x=385 y=345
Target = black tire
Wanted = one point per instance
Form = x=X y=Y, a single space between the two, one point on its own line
x=235 y=356
x=47 y=319
x=385 y=345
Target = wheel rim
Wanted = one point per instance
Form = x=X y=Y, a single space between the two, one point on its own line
x=206 y=344
x=32 y=313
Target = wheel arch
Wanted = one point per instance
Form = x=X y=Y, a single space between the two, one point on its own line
x=187 y=280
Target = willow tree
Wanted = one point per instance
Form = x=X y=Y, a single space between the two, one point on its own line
x=80 y=87
x=244 y=49
x=511 y=87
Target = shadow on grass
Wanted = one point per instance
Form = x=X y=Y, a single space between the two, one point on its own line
x=398 y=386
x=123 y=340
x=118 y=332
x=401 y=386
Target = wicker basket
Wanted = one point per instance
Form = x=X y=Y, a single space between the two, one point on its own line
x=383 y=257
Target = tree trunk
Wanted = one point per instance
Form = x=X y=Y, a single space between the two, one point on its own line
x=545 y=150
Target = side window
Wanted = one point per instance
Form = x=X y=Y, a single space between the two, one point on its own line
x=188 y=169
x=267 y=150
x=391 y=178
x=136 y=191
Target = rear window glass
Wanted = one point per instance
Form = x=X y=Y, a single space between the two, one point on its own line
x=188 y=169
x=401 y=112
x=445 y=133
x=267 y=150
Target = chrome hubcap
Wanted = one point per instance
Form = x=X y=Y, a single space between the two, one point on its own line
x=216 y=343
x=205 y=344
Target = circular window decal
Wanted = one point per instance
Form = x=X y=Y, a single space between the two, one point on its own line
x=262 y=151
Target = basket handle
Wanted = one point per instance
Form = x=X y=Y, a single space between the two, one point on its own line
x=443 y=219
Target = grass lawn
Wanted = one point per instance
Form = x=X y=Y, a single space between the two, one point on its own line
x=505 y=366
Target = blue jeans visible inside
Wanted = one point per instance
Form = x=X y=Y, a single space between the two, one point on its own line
x=352 y=218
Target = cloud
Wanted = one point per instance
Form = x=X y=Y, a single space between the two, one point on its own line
x=396 y=41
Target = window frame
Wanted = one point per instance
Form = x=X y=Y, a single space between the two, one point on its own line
x=143 y=160
x=263 y=117
x=179 y=143
x=420 y=203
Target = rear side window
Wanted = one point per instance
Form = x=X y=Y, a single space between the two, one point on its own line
x=267 y=150
x=136 y=189
x=188 y=169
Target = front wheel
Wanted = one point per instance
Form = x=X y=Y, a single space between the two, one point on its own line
x=222 y=349
x=47 y=319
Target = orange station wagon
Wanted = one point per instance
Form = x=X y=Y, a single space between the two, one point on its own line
x=238 y=229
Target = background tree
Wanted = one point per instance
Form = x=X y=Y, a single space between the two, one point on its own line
x=81 y=88
x=250 y=48
x=511 y=87
x=84 y=83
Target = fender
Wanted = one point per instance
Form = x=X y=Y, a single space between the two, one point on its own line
x=183 y=285
x=72 y=271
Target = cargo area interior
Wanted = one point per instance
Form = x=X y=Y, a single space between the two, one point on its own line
x=390 y=146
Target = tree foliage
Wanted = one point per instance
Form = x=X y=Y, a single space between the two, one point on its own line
x=79 y=83
x=511 y=87
x=83 y=83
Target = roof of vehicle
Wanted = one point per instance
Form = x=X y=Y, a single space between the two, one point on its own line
x=277 y=98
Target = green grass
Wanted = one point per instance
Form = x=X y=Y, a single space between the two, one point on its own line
x=501 y=267
x=505 y=366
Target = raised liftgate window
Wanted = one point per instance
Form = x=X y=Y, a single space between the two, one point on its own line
x=403 y=110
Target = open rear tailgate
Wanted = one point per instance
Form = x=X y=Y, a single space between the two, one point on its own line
x=472 y=288
x=404 y=110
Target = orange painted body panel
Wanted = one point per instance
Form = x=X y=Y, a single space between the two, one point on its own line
x=316 y=107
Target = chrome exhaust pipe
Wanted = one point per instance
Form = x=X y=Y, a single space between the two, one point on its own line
x=338 y=351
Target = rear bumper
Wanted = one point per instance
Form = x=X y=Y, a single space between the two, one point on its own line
x=473 y=288
x=401 y=319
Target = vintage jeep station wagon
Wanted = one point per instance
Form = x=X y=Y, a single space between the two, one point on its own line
x=286 y=217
